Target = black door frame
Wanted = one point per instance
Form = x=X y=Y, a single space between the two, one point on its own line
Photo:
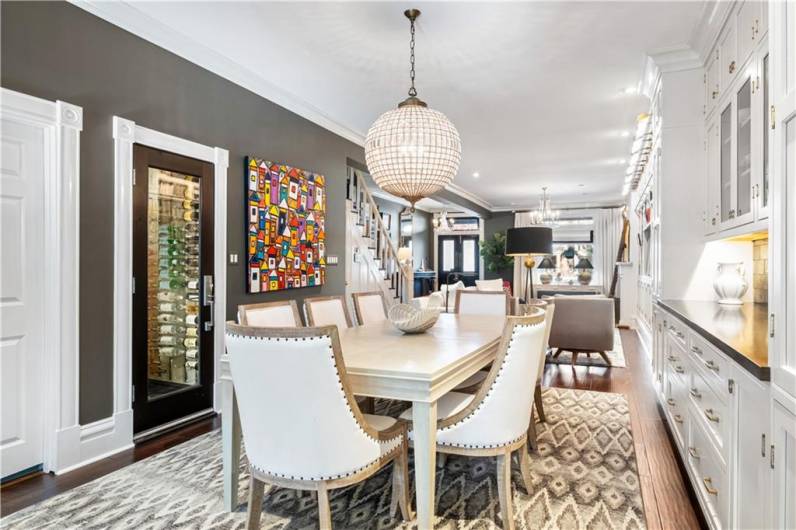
x=458 y=258
x=148 y=414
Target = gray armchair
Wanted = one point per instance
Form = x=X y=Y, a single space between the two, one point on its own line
x=583 y=324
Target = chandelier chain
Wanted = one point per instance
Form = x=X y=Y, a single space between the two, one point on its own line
x=412 y=89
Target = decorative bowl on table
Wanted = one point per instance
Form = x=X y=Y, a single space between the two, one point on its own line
x=411 y=319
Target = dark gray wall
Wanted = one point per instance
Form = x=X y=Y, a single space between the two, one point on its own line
x=58 y=51
x=422 y=231
x=498 y=222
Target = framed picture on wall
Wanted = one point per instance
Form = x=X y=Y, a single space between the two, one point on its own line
x=386 y=218
x=285 y=227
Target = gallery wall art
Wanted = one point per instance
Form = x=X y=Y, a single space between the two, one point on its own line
x=285 y=227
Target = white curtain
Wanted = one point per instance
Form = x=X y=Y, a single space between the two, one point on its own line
x=607 y=233
x=518 y=290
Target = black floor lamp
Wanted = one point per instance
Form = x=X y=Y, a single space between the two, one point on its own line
x=529 y=241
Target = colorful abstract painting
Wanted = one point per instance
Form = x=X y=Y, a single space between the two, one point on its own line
x=286 y=233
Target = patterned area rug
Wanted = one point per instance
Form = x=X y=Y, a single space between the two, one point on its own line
x=584 y=477
x=616 y=356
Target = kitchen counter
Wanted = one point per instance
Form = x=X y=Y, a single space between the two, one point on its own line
x=741 y=332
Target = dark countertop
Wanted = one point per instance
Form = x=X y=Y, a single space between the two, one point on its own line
x=741 y=332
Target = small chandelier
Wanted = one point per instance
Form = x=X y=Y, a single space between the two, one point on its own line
x=545 y=215
x=413 y=151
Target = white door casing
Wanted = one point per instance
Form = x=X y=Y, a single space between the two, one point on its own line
x=125 y=134
x=39 y=208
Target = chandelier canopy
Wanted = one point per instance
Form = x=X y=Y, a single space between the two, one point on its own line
x=412 y=151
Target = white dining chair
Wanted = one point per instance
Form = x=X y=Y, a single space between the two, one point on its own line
x=480 y=303
x=284 y=313
x=494 y=422
x=332 y=311
x=314 y=440
x=370 y=307
x=549 y=307
x=326 y=311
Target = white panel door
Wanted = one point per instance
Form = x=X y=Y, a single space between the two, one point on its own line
x=783 y=422
x=22 y=256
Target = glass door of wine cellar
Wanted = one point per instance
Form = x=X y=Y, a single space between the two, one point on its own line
x=173 y=287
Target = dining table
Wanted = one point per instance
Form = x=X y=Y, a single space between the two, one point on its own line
x=383 y=362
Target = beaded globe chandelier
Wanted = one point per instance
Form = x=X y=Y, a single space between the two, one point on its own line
x=413 y=151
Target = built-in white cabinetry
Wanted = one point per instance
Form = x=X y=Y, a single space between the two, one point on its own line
x=783 y=459
x=718 y=415
x=736 y=140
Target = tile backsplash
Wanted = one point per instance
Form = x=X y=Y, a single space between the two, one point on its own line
x=760 y=271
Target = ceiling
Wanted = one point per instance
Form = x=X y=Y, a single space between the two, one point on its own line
x=537 y=90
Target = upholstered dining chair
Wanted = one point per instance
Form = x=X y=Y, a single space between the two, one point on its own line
x=548 y=306
x=370 y=307
x=284 y=313
x=480 y=303
x=332 y=311
x=494 y=422
x=318 y=440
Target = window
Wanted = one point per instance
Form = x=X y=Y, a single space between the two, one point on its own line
x=566 y=256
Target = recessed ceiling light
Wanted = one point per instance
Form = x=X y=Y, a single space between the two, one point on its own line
x=625 y=134
x=622 y=161
x=476 y=174
x=630 y=90
x=581 y=185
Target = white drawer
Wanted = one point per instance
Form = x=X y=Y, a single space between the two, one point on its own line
x=710 y=477
x=712 y=412
x=676 y=404
x=676 y=330
x=713 y=364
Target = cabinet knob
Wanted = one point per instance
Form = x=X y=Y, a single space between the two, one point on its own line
x=714 y=94
x=709 y=414
x=694 y=392
x=708 y=483
x=731 y=68
x=693 y=452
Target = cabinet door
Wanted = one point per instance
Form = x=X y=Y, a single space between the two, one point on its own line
x=741 y=209
x=747 y=21
x=728 y=55
x=753 y=476
x=782 y=281
x=783 y=424
x=761 y=132
x=712 y=82
x=726 y=213
x=712 y=171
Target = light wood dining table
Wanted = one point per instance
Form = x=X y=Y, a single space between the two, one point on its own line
x=383 y=362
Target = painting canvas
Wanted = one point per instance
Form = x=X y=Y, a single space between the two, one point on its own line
x=285 y=227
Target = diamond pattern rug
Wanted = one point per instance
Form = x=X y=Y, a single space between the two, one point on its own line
x=584 y=477
x=616 y=356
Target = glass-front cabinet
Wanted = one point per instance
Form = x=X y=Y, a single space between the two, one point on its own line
x=172 y=301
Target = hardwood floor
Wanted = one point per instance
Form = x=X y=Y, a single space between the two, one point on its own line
x=668 y=500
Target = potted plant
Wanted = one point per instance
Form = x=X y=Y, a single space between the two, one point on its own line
x=493 y=250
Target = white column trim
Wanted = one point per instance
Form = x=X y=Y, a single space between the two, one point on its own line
x=125 y=134
x=62 y=124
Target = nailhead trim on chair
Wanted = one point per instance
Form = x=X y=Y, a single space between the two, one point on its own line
x=398 y=438
x=488 y=393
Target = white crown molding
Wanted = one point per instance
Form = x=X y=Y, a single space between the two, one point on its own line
x=463 y=193
x=676 y=58
x=126 y=16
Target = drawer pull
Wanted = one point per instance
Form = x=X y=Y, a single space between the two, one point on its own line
x=712 y=366
x=709 y=414
x=678 y=418
x=679 y=369
x=693 y=452
x=696 y=350
x=708 y=482
x=672 y=358
x=694 y=392
x=679 y=334
x=670 y=401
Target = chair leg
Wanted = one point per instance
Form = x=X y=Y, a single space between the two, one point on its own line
x=525 y=468
x=575 y=357
x=367 y=405
x=442 y=458
x=605 y=357
x=537 y=399
x=532 y=442
x=557 y=353
x=256 y=488
x=400 y=487
x=324 y=510
x=504 y=490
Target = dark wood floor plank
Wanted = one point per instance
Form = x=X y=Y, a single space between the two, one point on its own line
x=667 y=500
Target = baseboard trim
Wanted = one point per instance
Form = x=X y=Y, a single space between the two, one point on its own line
x=160 y=429
x=95 y=441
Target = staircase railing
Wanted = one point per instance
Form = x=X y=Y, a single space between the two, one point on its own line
x=399 y=275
